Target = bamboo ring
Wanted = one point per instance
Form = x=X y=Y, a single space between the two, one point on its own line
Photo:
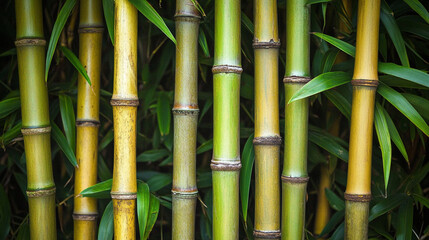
x=227 y=69
x=124 y=102
x=265 y=45
x=271 y=140
x=90 y=29
x=30 y=42
x=293 y=180
x=40 y=192
x=184 y=193
x=85 y=217
x=232 y=165
x=124 y=196
x=35 y=131
x=273 y=234
x=185 y=111
x=365 y=82
x=296 y=79
x=357 y=197
x=87 y=123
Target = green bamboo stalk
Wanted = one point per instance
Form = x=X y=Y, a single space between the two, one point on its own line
x=185 y=112
x=365 y=81
x=267 y=131
x=35 y=118
x=124 y=102
x=90 y=41
x=294 y=175
x=226 y=162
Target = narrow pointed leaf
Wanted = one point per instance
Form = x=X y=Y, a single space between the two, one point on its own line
x=153 y=215
x=109 y=15
x=61 y=140
x=383 y=136
x=143 y=201
x=405 y=220
x=163 y=112
x=56 y=32
x=386 y=205
x=343 y=46
x=421 y=104
x=75 y=62
x=8 y=106
x=410 y=74
x=105 y=230
x=202 y=40
x=152 y=155
x=68 y=119
x=206 y=146
x=394 y=135
x=340 y=102
x=99 y=190
x=150 y=13
x=419 y=8
x=10 y=52
x=245 y=20
x=329 y=144
x=321 y=83
x=248 y=158
x=336 y=202
x=310 y=2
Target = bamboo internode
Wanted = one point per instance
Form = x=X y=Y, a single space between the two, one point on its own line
x=226 y=129
x=35 y=118
x=294 y=175
x=185 y=112
x=124 y=102
x=267 y=131
x=365 y=81
x=90 y=40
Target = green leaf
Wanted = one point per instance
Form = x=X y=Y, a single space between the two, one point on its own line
x=336 y=202
x=419 y=8
x=329 y=60
x=421 y=199
x=245 y=20
x=340 y=102
x=76 y=63
x=99 y=190
x=150 y=13
x=386 y=205
x=310 y=2
x=143 y=201
x=24 y=232
x=405 y=220
x=413 y=24
x=202 y=40
x=247 y=160
x=399 y=101
x=59 y=138
x=10 y=52
x=333 y=221
x=410 y=74
x=10 y=134
x=383 y=136
x=109 y=15
x=5 y=214
x=159 y=181
x=339 y=233
x=163 y=112
x=206 y=146
x=343 y=46
x=321 y=83
x=105 y=230
x=327 y=142
x=56 y=32
x=152 y=155
x=421 y=104
x=106 y=140
x=9 y=106
x=68 y=119
x=153 y=215
x=394 y=135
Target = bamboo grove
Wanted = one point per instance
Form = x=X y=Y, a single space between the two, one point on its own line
x=142 y=119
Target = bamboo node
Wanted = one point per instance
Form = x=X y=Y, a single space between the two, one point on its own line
x=40 y=192
x=288 y=179
x=124 y=102
x=296 y=79
x=232 y=165
x=87 y=123
x=185 y=111
x=90 y=29
x=187 y=17
x=270 y=234
x=357 y=197
x=365 y=82
x=184 y=193
x=271 y=140
x=227 y=69
x=123 y=196
x=85 y=217
x=35 y=131
x=30 y=42
x=265 y=45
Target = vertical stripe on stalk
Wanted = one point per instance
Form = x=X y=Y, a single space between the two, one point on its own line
x=294 y=175
x=90 y=40
x=35 y=118
x=267 y=134
x=185 y=112
x=226 y=128
x=365 y=81
x=125 y=102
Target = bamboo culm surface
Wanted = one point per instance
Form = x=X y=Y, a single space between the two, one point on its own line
x=365 y=82
x=226 y=162
x=124 y=102
x=90 y=41
x=185 y=112
x=294 y=175
x=267 y=132
x=30 y=45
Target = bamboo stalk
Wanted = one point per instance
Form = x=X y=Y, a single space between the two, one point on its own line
x=36 y=128
x=294 y=175
x=90 y=40
x=226 y=162
x=365 y=81
x=185 y=112
x=124 y=102
x=267 y=132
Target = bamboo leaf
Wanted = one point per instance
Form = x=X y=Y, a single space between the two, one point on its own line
x=75 y=62
x=410 y=74
x=9 y=106
x=421 y=104
x=59 y=138
x=396 y=138
x=99 y=190
x=333 y=221
x=202 y=40
x=340 y=102
x=386 y=205
x=405 y=220
x=153 y=215
x=109 y=15
x=248 y=158
x=336 y=202
x=339 y=233
x=105 y=230
x=383 y=136
x=328 y=143
x=68 y=119
x=401 y=103
x=10 y=134
x=150 y=13
x=143 y=201
x=343 y=46
x=159 y=181
x=421 y=199
x=24 y=232
x=206 y=146
x=245 y=20
x=152 y=155
x=163 y=112
x=56 y=31
x=310 y=2
x=329 y=60
x=419 y=8
x=10 y=52
x=413 y=24
x=321 y=83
